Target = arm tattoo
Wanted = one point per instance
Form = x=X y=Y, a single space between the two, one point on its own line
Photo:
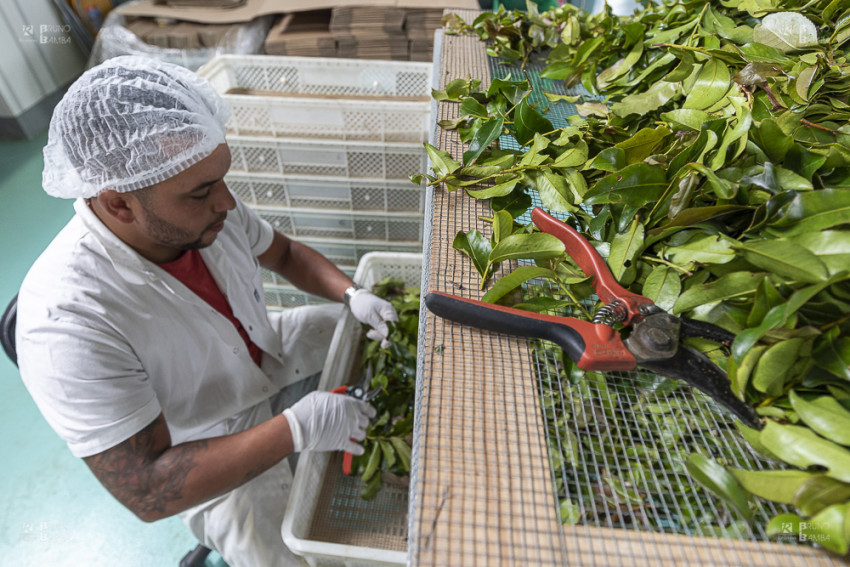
x=141 y=476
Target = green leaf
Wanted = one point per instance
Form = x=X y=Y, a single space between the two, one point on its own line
x=820 y=492
x=663 y=287
x=652 y=99
x=388 y=452
x=801 y=447
x=625 y=248
x=745 y=340
x=471 y=107
x=776 y=486
x=686 y=118
x=786 y=31
x=803 y=295
x=529 y=122
x=569 y=513
x=477 y=247
x=553 y=189
x=731 y=286
x=703 y=249
x=770 y=372
x=499 y=190
x=832 y=247
x=717 y=479
x=711 y=85
x=503 y=226
x=824 y=415
x=833 y=354
x=572 y=157
x=441 y=162
x=482 y=139
x=610 y=159
x=402 y=451
x=621 y=67
x=373 y=464
x=813 y=211
x=742 y=374
x=510 y=282
x=785 y=258
x=534 y=246
x=641 y=145
x=635 y=185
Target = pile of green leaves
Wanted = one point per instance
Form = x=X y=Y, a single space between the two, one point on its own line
x=715 y=179
x=389 y=437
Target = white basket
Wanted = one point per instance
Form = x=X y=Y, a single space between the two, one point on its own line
x=378 y=121
x=318 y=76
x=316 y=223
x=329 y=158
x=327 y=193
x=345 y=254
x=367 y=517
x=275 y=103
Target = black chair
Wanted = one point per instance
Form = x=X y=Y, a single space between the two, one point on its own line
x=194 y=558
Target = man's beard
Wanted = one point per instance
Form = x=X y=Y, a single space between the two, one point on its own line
x=173 y=236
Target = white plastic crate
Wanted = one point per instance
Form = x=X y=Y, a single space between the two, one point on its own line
x=379 y=121
x=345 y=254
x=319 y=76
x=376 y=195
x=328 y=158
x=305 y=97
x=375 y=520
x=317 y=223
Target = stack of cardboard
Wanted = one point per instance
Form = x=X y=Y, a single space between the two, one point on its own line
x=370 y=32
x=202 y=3
x=178 y=35
x=304 y=34
x=420 y=25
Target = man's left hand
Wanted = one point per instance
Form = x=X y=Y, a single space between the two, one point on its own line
x=376 y=312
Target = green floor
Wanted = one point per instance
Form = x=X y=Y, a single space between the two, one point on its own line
x=53 y=511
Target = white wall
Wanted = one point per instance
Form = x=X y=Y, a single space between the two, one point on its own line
x=34 y=62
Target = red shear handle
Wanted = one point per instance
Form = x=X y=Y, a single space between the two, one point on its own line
x=591 y=346
x=589 y=260
x=347 y=457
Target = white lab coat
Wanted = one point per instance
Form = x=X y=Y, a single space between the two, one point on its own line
x=107 y=340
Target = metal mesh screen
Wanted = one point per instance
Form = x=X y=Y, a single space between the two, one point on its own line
x=519 y=462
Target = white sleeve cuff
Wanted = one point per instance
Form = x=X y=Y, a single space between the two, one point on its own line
x=295 y=429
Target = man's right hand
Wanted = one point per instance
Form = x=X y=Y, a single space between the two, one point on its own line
x=322 y=421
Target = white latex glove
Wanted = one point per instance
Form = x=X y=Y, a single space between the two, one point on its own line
x=322 y=421
x=370 y=309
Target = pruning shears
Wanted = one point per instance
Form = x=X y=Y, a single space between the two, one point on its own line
x=359 y=391
x=654 y=343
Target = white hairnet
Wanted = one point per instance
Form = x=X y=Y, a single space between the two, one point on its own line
x=129 y=123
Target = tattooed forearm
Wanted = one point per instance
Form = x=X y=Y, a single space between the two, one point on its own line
x=155 y=479
x=144 y=473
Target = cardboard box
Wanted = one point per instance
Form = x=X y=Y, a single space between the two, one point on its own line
x=254 y=8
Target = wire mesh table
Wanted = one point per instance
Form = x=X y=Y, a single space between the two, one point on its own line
x=517 y=461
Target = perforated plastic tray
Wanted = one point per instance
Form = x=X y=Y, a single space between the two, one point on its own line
x=345 y=254
x=327 y=193
x=316 y=223
x=306 y=97
x=326 y=521
x=319 y=76
x=284 y=156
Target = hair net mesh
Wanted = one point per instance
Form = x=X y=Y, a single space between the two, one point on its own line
x=129 y=123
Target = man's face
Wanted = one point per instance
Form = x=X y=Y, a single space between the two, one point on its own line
x=188 y=210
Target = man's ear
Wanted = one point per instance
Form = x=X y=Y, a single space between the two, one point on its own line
x=117 y=205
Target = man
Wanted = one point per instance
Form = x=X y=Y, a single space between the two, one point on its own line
x=142 y=330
